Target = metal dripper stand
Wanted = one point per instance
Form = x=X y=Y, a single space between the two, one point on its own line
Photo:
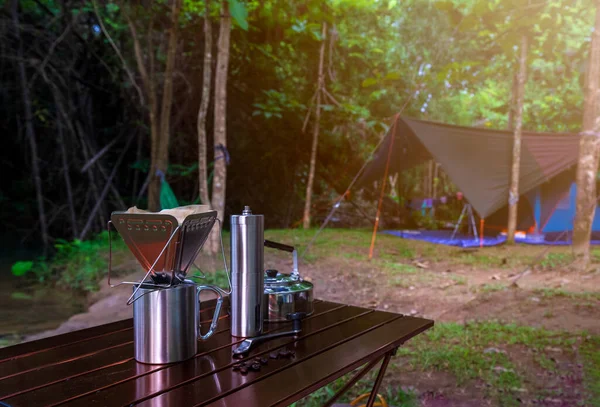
x=166 y=305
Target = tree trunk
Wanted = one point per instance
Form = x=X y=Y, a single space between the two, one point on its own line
x=587 y=167
x=220 y=125
x=29 y=130
x=136 y=172
x=150 y=89
x=513 y=194
x=315 y=141
x=161 y=162
x=203 y=110
x=513 y=101
x=65 y=169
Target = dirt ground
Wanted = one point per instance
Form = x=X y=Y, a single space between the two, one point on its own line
x=454 y=295
x=444 y=294
x=446 y=285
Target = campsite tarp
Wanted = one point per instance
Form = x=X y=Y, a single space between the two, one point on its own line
x=478 y=160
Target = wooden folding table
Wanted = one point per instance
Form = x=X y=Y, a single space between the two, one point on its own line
x=95 y=366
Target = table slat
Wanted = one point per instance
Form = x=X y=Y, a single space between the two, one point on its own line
x=34 y=348
x=304 y=378
x=115 y=374
x=161 y=381
x=224 y=382
x=95 y=366
x=44 y=376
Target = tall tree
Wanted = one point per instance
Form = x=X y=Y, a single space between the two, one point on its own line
x=316 y=124
x=161 y=162
x=513 y=101
x=160 y=125
x=513 y=194
x=589 y=152
x=203 y=110
x=29 y=130
x=220 y=118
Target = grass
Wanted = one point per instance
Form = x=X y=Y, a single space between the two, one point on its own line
x=559 y=292
x=354 y=244
x=548 y=314
x=477 y=351
x=400 y=268
x=479 y=260
x=546 y=363
x=590 y=352
x=10 y=340
x=393 y=395
x=491 y=288
x=459 y=280
x=554 y=260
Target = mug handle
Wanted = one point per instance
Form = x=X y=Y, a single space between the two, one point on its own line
x=215 y=318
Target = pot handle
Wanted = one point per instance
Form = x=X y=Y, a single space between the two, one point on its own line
x=285 y=248
x=215 y=319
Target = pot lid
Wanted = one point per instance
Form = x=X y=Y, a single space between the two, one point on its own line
x=276 y=282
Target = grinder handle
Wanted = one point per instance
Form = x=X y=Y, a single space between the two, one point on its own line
x=215 y=319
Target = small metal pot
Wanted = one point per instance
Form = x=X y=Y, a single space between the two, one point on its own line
x=286 y=294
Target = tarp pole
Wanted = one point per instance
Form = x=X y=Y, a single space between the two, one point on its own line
x=460 y=218
x=473 y=224
x=538 y=210
x=385 y=175
x=342 y=196
x=481 y=225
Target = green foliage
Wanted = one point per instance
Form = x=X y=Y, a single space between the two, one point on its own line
x=76 y=265
x=20 y=268
x=38 y=269
x=80 y=264
x=451 y=61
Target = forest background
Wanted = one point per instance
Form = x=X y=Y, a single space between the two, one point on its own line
x=280 y=101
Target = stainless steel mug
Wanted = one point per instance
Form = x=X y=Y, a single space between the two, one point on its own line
x=247 y=274
x=166 y=322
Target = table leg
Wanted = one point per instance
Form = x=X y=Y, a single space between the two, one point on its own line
x=386 y=360
x=382 y=369
x=352 y=381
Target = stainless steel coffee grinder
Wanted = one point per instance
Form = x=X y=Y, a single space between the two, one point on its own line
x=247 y=274
x=166 y=305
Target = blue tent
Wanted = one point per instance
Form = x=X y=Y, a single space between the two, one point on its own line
x=554 y=220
